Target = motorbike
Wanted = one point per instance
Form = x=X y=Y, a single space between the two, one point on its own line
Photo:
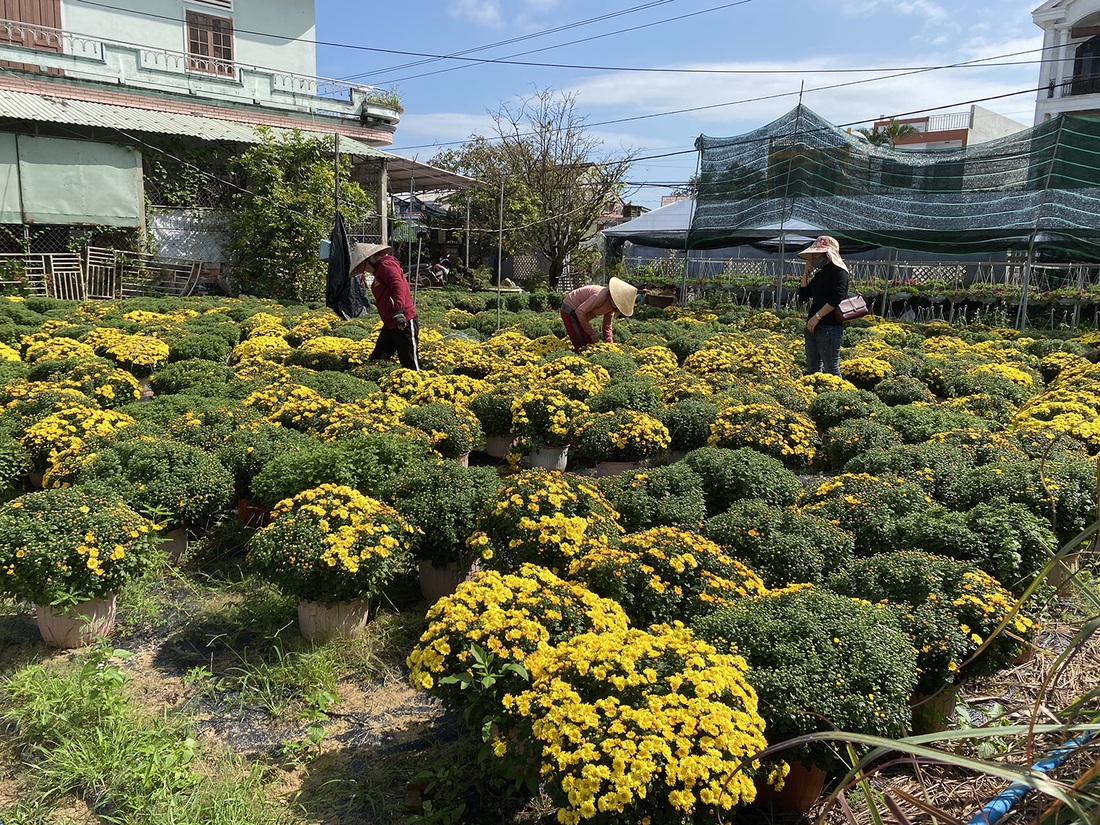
x=432 y=276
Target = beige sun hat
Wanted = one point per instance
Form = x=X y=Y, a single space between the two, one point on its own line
x=623 y=296
x=361 y=251
x=825 y=245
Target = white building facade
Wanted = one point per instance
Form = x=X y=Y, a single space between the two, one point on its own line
x=1069 y=77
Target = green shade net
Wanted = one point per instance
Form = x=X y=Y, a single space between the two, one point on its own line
x=1041 y=186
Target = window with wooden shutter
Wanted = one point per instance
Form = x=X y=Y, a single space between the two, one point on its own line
x=209 y=44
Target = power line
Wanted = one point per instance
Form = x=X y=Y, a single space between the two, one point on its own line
x=509 y=62
x=512 y=40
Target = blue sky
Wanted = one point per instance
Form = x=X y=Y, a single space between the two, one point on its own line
x=776 y=46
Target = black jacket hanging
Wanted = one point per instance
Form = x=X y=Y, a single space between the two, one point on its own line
x=344 y=295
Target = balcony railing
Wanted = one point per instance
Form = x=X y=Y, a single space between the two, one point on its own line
x=143 y=66
x=1087 y=84
x=949 y=122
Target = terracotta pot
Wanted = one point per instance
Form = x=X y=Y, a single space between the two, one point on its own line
x=605 y=469
x=320 y=622
x=549 y=458
x=437 y=582
x=499 y=446
x=934 y=712
x=174 y=543
x=80 y=625
x=801 y=790
x=252 y=513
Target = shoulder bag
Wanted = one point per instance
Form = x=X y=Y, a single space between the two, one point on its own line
x=850 y=308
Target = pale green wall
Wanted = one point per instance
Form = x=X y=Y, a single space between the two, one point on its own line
x=286 y=18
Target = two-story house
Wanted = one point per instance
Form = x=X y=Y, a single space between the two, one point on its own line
x=95 y=94
x=1069 y=76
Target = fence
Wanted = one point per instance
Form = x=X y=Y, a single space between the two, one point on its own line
x=100 y=273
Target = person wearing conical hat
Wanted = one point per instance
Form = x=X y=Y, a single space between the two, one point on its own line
x=400 y=329
x=587 y=302
x=824 y=284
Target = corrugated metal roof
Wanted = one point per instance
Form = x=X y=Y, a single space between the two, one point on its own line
x=50 y=109
x=125 y=119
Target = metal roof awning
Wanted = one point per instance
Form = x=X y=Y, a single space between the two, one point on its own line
x=127 y=119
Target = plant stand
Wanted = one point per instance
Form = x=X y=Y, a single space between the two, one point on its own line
x=320 y=622
x=78 y=626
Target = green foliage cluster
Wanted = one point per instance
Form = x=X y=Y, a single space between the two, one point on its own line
x=781 y=544
x=854 y=437
x=278 y=222
x=443 y=499
x=663 y=496
x=831 y=408
x=181 y=484
x=689 y=422
x=732 y=475
x=452 y=431
x=820 y=662
x=917 y=424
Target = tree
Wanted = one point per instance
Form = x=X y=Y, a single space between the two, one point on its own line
x=276 y=224
x=556 y=181
x=890 y=134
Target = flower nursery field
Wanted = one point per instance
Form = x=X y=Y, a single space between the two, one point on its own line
x=746 y=577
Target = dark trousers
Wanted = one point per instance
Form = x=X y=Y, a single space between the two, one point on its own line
x=404 y=342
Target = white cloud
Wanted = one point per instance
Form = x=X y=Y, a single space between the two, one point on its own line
x=932 y=12
x=481 y=12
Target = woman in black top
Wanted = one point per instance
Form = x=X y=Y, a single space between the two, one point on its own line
x=825 y=290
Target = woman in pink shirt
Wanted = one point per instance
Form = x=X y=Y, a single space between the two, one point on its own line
x=587 y=302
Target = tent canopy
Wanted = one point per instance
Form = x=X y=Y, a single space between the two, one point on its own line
x=1040 y=186
x=664 y=228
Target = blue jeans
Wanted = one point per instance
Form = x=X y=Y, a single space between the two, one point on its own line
x=823 y=348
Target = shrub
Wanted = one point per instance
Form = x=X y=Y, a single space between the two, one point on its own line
x=689 y=423
x=1062 y=492
x=442 y=499
x=97 y=378
x=247 y=450
x=948 y=608
x=207 y=347
x=938 y=467
x=331 y=544
x=852 y=438
x=63 y=547
x=494 y=411
x=665 y=575
x=652 y=707
x=621 y=435
x=867 y=506
x=865 y=372
x=452 y=431
x=782 y=545
x=820 y=662
x=917 y=424
x=544 y=518
x=619 y=365
x=639 y=394
x=500 y=619
x=663 y=496
x=903 y=389
x=208 y=428
x=180 y=375
x=376 y=461
x=831 y=408
x=339 y=386
x=731 y=475
x=46 y=439
x=770 y=429
x=172 y=482
x=287 y=474
x=545 y=417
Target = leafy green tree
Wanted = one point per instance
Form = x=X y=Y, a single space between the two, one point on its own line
x=556 y=179
x=890 y=134
x=286 y=209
